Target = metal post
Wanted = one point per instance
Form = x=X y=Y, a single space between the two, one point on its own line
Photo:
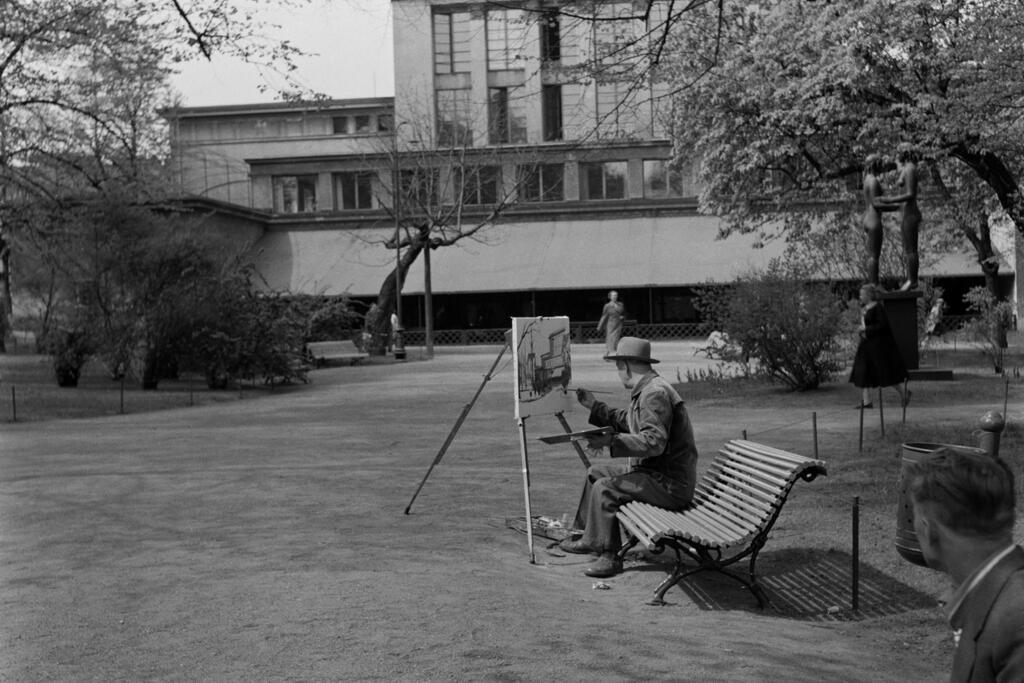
x=397 y=190
x=860 y=438
x=855 y=561
x=814 y=426
x=428 y=302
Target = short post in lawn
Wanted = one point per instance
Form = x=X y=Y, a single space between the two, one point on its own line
x=855 y=559
x=814 y=428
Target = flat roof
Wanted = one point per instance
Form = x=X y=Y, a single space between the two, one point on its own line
x=278 y=107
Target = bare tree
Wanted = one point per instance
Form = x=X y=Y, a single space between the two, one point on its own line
x=439 y=195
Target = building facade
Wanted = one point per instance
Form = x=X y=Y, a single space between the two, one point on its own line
x=502 y=128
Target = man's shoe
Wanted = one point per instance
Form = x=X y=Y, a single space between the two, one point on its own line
x=576 y=546
x=608 y=564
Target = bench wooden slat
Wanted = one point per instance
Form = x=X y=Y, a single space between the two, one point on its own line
x=749 y=505
x=769 y=468
x=746 y=485
x=735 y=510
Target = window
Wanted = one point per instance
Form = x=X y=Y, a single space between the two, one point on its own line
x=418 y=189
x=551 y=112
x=618 y=109
x=385 y=122
x=550 y=37
x=660 y=180
x=353 y=190
x=453 y=127
x=362 y=123
x=506 y=118
x=340 y=124
x=294 y=193
x=603 y=180
x=478 y=184
x=451 y=42
x=542 y=183
x=506 y=35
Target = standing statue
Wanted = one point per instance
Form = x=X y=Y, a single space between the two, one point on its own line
x=874 y=165
x=611 y=322
x=910 y=214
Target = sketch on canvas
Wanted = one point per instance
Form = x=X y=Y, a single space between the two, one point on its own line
x=542 y=366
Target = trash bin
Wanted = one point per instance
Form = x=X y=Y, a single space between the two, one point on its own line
x=906 y=539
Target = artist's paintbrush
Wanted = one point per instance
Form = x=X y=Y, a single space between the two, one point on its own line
x=593 y=391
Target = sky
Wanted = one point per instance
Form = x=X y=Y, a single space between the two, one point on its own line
x=354 y=58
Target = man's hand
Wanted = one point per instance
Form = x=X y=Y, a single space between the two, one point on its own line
x=585 y=398
x=600 y=441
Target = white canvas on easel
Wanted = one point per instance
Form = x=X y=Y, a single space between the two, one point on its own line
x=541 y=371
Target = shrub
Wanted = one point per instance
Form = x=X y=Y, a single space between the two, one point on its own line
x=994 y=317
x=787 y=326
x=70 y=350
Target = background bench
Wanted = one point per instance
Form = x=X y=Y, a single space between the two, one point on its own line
x=734 y=507
x=326 y=351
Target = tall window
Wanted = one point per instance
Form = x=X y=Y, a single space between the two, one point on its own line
x=551 y=112
x=506 y=115
x=340 y=125
x=542 y=183
x=478 y=184
x=506 y=36
x=418 y=189
x=451 y=42
x=453 y=118
x=603 y=180
x=294 y=193
x=353 y=190
x=618 y=109
x=550 y=37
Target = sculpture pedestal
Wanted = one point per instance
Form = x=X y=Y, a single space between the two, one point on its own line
x=901 y=309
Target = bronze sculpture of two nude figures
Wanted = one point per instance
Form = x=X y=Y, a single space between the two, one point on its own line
x=905 y=202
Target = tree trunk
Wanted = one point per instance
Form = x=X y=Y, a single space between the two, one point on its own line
x=428 y=305
x=377 y=323
x=150 y=368
x=991 y=169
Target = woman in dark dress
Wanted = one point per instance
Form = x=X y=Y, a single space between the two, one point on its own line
x=878 y=362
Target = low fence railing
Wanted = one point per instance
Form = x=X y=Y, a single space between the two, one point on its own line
x=583 y=332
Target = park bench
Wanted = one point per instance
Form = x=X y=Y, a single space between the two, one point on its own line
x=734 y=507
x=323 y=352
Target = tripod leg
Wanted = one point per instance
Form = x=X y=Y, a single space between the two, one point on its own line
x=458 y=423
x=526 y=488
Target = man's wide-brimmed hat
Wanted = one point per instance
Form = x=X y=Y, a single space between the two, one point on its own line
x=633 y=348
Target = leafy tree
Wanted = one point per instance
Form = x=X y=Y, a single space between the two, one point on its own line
x=774 y=317
x=784 y=100
x=80 y=81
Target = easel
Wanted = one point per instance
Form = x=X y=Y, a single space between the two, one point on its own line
x=522 y=441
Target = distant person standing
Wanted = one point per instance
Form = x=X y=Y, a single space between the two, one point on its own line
x=878 y=362
x=611 y=322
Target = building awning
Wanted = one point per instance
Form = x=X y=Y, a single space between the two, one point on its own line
x=544 y=255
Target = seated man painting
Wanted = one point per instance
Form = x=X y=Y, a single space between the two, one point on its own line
x=654 y=458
